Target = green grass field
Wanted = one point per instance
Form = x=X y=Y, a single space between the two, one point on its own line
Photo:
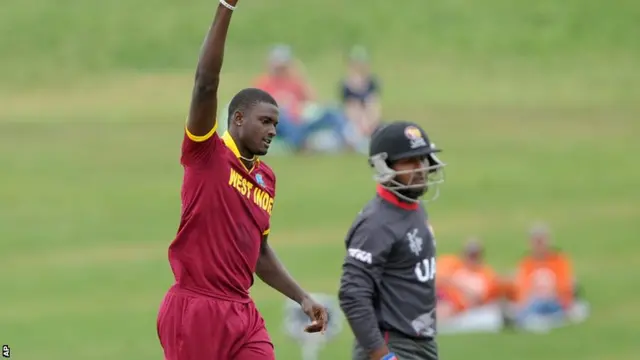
x=535 y=103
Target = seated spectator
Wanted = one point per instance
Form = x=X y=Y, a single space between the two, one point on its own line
x=360 y=92
x=465 y=281
x=300 y=114
x=544 y=288
x=468 y=292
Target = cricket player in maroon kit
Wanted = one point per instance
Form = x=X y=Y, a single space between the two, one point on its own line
x=227 y=200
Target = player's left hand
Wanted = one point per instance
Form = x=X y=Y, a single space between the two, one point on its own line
x=317 y=313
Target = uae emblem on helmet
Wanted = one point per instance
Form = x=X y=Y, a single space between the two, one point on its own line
x=295 y=320
x=415 y=137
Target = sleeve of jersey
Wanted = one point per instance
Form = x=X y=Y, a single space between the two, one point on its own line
x=199 y=150
x=367 y=252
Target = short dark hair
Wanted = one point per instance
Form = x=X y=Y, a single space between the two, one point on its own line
x=247 y=98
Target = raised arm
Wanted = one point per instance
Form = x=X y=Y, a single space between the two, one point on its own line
x=204 y=100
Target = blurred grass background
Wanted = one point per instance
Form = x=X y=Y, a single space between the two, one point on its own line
x=536 y=105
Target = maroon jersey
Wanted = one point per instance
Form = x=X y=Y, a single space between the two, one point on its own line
x=226 y=210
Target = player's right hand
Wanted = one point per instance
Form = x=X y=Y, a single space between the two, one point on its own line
x=317 y=313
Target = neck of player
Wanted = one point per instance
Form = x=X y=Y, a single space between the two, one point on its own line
x=247 y=157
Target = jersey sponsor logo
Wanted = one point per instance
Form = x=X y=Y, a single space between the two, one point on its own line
x=426 y=270
x=246 y=188
x=415 y=242
x=360 y=255
x=415 y=137
x=424 y=325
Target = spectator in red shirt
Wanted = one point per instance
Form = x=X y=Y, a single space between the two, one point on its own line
x=300 y=116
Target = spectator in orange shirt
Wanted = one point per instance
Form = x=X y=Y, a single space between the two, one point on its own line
x=543 y=289
x=465 y=282
x=285 y=82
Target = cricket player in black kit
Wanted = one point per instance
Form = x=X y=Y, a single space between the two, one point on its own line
x=387 y=288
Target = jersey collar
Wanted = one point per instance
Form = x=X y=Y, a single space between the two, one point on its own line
x=231 y=144
x=393 y=199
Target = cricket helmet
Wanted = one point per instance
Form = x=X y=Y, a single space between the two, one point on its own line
x=404 y=140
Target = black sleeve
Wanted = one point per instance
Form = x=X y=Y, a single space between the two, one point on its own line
x=367 y=252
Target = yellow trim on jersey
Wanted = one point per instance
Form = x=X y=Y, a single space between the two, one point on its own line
x=266 y=232
x=201 y=138
x=231 y=144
